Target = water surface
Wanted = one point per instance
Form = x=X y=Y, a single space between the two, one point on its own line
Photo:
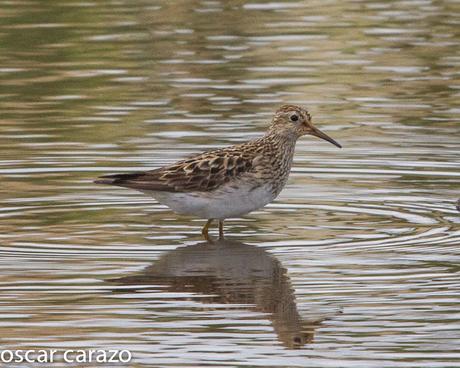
x=356 y=264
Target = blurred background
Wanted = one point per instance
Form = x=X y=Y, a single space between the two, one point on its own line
x=363 y=242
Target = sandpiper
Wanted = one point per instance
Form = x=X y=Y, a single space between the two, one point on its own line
x=231 y=181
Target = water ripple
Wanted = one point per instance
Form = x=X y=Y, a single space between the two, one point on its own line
x=356 y=262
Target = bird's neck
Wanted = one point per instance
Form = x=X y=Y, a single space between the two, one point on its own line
x=277 y=158
x=281 y=142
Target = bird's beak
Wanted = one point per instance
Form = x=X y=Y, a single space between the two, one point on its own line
x=318 y=133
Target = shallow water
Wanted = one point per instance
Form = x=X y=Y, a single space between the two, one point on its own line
x=356 y=264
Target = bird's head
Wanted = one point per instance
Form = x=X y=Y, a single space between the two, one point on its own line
x=294 y=121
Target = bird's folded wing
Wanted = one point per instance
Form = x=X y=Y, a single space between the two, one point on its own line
x=204 y=172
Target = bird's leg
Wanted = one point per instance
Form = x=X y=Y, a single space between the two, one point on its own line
x=205 y=229
x=221 y=229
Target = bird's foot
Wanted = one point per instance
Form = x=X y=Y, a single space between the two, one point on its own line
x=205 y=230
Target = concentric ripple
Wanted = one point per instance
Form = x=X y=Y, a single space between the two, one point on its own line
x=354 y=265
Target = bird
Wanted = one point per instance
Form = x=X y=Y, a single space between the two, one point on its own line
x=231 y=181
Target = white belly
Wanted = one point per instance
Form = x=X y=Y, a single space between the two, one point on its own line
x=220 y=204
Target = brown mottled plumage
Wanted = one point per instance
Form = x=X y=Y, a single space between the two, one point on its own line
x=230 y=181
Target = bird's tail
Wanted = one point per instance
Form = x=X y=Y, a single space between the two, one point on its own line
x=117 y=179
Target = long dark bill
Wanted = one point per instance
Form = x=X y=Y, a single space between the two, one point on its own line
x=318 y=133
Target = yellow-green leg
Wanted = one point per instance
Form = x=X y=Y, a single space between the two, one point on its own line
x=221 y=229
x=205 y=229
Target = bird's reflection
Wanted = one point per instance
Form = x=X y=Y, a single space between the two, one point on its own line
x=234 y=273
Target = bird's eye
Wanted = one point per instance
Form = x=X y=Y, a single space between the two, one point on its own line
x=294 y=117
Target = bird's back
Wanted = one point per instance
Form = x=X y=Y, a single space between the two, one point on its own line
x=207 y=171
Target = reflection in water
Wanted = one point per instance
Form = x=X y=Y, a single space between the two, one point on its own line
x=89 y=87
x=233 y=273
